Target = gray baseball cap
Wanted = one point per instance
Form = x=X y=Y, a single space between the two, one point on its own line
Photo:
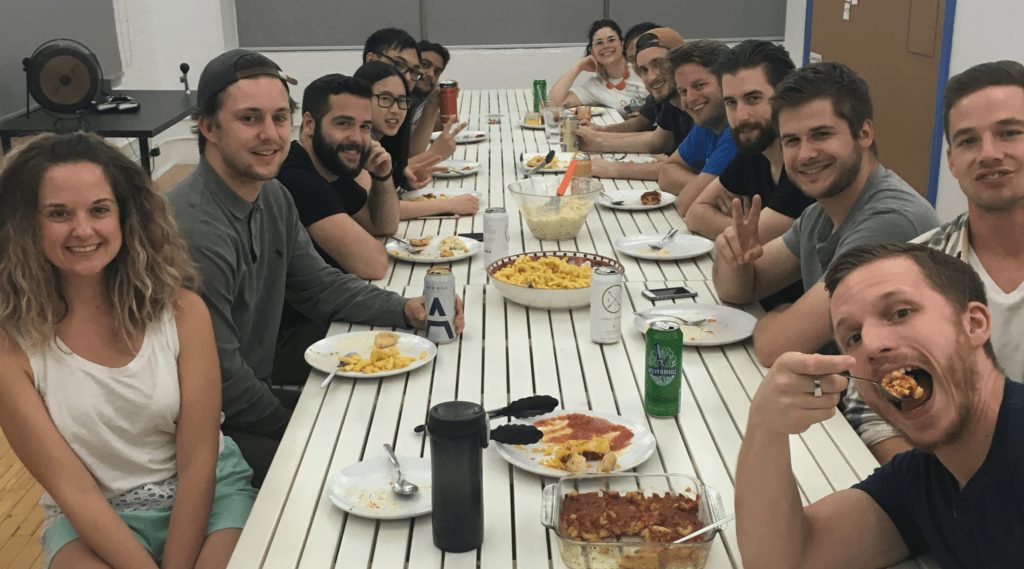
x=233 y=65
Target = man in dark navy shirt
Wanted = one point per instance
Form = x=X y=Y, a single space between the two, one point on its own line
x=904 y=309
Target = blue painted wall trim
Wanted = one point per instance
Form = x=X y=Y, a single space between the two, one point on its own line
x=937 y=134
x=807 y=31
x=946 y=43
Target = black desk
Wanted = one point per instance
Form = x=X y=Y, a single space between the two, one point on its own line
x=158 y=110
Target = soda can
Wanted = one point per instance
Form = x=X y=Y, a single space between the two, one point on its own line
x=664 y=369
x=495 y=234
x=606 y=305
x=540 y=93
x=439 y=299
x=449 y=101
x=569 y=126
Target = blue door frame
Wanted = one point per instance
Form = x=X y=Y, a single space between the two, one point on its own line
x=946 y=43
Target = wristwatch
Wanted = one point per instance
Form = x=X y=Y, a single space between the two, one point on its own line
x=383 y=178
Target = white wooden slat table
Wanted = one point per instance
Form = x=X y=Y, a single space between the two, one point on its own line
x=509 y=351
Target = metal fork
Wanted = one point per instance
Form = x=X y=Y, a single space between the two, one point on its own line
x=408 y=246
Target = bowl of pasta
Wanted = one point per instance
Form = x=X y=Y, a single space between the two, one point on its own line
x=547 y=279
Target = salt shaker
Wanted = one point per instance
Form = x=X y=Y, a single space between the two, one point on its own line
x=458 y=432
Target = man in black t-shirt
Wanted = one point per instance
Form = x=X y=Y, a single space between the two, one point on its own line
x=334 y=145
x=749 y=78
x=916 y=312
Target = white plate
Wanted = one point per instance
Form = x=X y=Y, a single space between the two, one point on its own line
x=364 y=489
x=558 y=164
x=430 y=254
x=681 y=246
x=523 y=124
x=465 y=137
x=457 y=168
x=323 y=355
x=725 y=325
x=437 y=193
x=528 y=457
x=631 y=200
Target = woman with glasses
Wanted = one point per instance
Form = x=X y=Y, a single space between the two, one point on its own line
x=109 y=385
x=612 y=85
x=391 y=104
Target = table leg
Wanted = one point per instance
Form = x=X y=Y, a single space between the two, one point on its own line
x=144 y=155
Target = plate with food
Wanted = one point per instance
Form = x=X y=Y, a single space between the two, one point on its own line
x=364 y=489
x=457 y=168
x=635 y=200
x=435 y=194
x=594 y=111
x=465 y=137
x=435 y=249
x=680 y=246
x=558 y=164
x=577 y=442
x=702 y=324
x=370 y=354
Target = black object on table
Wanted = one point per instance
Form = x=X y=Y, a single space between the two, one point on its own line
x=158 y=111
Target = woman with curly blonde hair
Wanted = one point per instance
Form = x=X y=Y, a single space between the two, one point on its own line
x=109 y=380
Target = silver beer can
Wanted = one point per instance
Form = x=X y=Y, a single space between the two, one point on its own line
x=439 y=300
x=606 y=305
x=495 y=234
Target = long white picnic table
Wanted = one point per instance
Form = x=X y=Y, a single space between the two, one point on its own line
x=509 y=351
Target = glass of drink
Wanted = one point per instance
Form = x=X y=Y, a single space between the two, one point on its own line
x=552 y=121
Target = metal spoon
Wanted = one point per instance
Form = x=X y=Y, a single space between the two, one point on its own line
x=664 y=240
x=881 y=388
x=612 y=200
x=402 y=487
x=707 y=528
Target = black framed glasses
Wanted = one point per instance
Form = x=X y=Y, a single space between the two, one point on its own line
x=387 y=101
x=414 y=73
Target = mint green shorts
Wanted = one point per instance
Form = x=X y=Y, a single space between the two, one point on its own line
x=232 y=502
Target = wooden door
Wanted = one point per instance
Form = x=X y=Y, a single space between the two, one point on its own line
x=896 y=46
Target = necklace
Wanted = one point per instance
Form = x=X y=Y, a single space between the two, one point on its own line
x=621 y=84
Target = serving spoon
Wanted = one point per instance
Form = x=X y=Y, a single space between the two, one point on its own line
x=707 y=528
x=402 y=487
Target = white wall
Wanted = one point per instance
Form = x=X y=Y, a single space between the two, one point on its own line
x=983 y=30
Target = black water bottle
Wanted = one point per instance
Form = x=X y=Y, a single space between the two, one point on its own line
x=458 y=433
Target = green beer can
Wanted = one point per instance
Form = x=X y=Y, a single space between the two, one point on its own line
x=664 y=369
x=540 y=93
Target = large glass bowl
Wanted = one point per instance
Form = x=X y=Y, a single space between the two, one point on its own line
x=553 y=217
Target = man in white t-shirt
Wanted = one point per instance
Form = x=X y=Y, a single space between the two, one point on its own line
x=983 y=114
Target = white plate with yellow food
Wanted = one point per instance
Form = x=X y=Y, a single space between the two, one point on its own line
x=702 y=324
x=370 y=354
x=457 y=168
x=435 y=249
x=581 y=442
x=680 y=246
x=558 y=164
x=547 y=279
x=635 y=200
x=364 y=489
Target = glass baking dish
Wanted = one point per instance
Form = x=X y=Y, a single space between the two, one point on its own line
x=634 y=553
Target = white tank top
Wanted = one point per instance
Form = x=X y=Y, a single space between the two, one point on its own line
x=119 y=421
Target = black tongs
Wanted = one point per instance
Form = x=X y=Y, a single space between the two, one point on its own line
x=531 y=171
x=520 y=409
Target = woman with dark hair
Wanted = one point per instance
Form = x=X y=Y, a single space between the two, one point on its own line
x=391 y=104
x=109 y=383
x=612 y=85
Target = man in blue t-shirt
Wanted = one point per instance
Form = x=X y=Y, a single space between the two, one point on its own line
x=921 y=314
x=709 y=148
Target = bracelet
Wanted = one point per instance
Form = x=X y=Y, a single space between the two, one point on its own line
x=383 y=178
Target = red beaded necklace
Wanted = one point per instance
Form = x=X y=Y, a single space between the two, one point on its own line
x=621 y=84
